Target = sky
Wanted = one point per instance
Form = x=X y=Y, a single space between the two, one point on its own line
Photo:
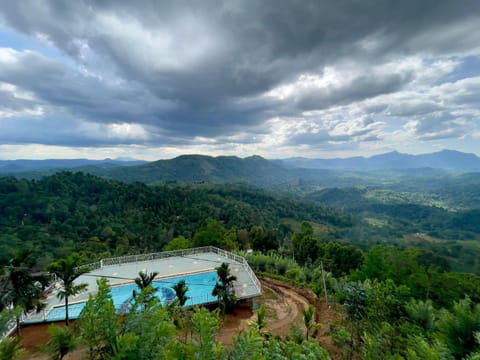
x=157 y=79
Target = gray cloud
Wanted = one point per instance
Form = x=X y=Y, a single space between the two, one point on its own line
x=182 y=71
x=413 y=107
x=362 y=87
x=10 y=104
x=442 y=125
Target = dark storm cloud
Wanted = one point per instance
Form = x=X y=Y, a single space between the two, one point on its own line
x=360 y=88
x=56 y=130
x=200 y=69
x=53 y=83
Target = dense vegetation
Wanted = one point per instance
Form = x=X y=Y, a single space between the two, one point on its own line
x=391 y=262
x=69 y=212
x=77 y=212
x=403 y=212
x=397 y=304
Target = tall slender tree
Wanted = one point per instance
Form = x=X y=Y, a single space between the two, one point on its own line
x=144 y=279
x=309 y=320
x=223 y=289
x=223 y=273
x=68 y=270
x=144 y=282
x=98 y=323
x=62 y=341
x=181 y=291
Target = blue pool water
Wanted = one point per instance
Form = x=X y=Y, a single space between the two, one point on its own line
x=200 y=287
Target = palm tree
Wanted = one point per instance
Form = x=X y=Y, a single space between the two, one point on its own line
x=224 y=288
x=181 y=290
x=144 y=282
x=62 y=341
x=144 y=279
x=68 y=270
x=181 y=318
x=21 y=287
x=223 y=273
x=261 y=315
x=309 y=319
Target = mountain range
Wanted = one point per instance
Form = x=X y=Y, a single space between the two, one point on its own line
x=255 y=170
x=445 y=159
x=21 y=165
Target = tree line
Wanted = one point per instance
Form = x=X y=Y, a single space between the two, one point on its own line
x=76 y=212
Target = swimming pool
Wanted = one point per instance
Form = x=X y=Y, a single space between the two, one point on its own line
x=200 y=287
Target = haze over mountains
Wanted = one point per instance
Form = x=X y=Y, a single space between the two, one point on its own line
x=445 y=159
x=254 y=170
x=28 y=165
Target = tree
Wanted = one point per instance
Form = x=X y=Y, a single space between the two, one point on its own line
x=458 y=328
x=179 y=243
x=422 y=313
x=148 y=333
x=355 y=300
x=309 y=321
x=62 y=341
x=144 y=279
x=340 y=259
x=68 y=270
x=211 y=234
x=385 y=300
x=98 y=322
x=261 y=315
x=304 y=244
x=10 y=349
x=21 y=287
x=146 y=297
x=306 y=350
x=144 y=282
x=223 y=273
x=205 y=327
x=263 y=240
x=421 y=348
x=181 y=317
x=248 y=346
x=181 y=289
x=224 y=287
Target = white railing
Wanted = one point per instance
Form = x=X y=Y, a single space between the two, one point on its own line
x=184 y=252
x=241 y=260
x=201 y=299
x=252 y=275
x=10 y=328
x=228 y=255
x=165 y=254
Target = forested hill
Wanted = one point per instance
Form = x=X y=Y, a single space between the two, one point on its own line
x=25 y=165
x=78 y=212
x=256 y=171
x=253 y=170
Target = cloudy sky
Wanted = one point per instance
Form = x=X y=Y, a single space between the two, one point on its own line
x=156 y=79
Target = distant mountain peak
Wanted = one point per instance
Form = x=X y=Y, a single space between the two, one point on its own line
x=452 y=160
x=255 y=157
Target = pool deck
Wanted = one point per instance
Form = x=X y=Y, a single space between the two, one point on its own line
x=169 y=264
